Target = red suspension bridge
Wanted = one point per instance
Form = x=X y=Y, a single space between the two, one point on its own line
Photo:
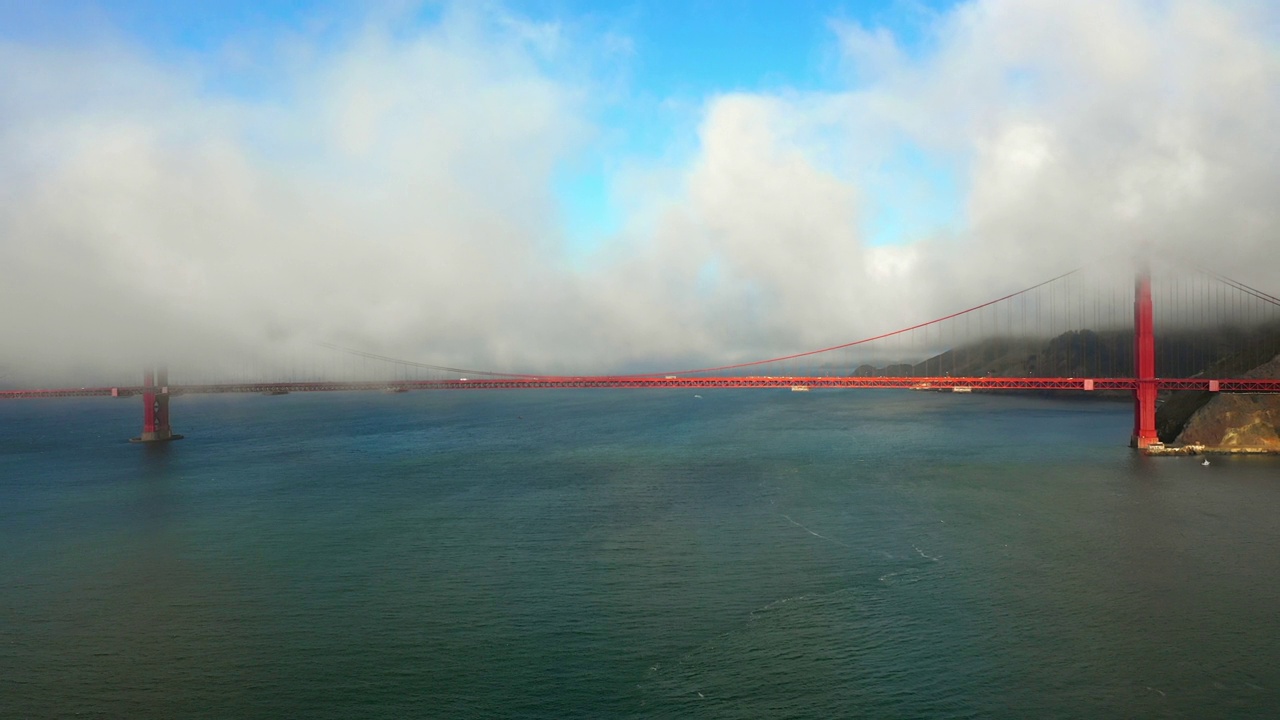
x=1071 y=333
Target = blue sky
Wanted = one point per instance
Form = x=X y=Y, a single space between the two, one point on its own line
x=689 y=51
x=679 y=55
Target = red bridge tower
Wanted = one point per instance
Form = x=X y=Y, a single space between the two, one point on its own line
x=155 y=407
x=1144 y=362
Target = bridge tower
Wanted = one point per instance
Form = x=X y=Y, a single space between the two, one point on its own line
x=1144 y=362
x=155 y=407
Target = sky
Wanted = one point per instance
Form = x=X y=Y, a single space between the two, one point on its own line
x=562 y=185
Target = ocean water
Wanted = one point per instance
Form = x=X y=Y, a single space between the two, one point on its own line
x=629 y=554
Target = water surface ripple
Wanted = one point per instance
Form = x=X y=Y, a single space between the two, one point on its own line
x=627 y=554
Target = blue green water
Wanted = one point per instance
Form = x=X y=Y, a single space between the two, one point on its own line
x=629 y=554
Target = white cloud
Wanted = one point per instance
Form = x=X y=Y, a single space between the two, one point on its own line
x=394 y=192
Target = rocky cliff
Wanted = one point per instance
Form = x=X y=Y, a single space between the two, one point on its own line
x=1237 y=421
x=1255 y=359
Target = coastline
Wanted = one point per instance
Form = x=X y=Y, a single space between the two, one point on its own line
x=1193 y=449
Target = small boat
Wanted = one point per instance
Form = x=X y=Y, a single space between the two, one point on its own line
x=799 y=388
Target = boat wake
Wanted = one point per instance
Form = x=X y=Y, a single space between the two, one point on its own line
x=909 y=575
x=811 y=532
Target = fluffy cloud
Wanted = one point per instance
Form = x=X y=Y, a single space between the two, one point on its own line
x=392 y=191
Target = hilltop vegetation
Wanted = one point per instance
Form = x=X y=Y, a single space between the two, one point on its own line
x=1223 y=352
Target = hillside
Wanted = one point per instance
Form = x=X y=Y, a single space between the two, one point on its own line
x=1211 y=419
x=1255 y=360
x=1086 y=353
x=1234 y=420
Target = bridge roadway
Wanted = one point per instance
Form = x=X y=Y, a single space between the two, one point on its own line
x=1238 y=385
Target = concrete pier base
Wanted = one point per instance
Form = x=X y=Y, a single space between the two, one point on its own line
x=156 y=437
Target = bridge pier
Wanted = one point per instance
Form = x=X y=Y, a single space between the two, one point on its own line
x=155 y=408
x=1144 y=364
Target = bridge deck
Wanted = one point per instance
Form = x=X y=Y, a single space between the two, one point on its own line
x=1236 y=385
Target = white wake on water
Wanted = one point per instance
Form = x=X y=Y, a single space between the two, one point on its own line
x=811 y=532
x=924 y=555
x=909 y=575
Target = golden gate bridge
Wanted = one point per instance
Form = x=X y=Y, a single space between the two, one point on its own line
x=1070 y=333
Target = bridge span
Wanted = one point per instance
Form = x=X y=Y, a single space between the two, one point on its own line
x=1091 y=346
x=1236 y=385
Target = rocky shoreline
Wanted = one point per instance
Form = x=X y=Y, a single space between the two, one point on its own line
x=1163 y=450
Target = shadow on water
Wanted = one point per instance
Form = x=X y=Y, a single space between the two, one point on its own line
x=1144 y=467
x=156 y=452
x=157 y=496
